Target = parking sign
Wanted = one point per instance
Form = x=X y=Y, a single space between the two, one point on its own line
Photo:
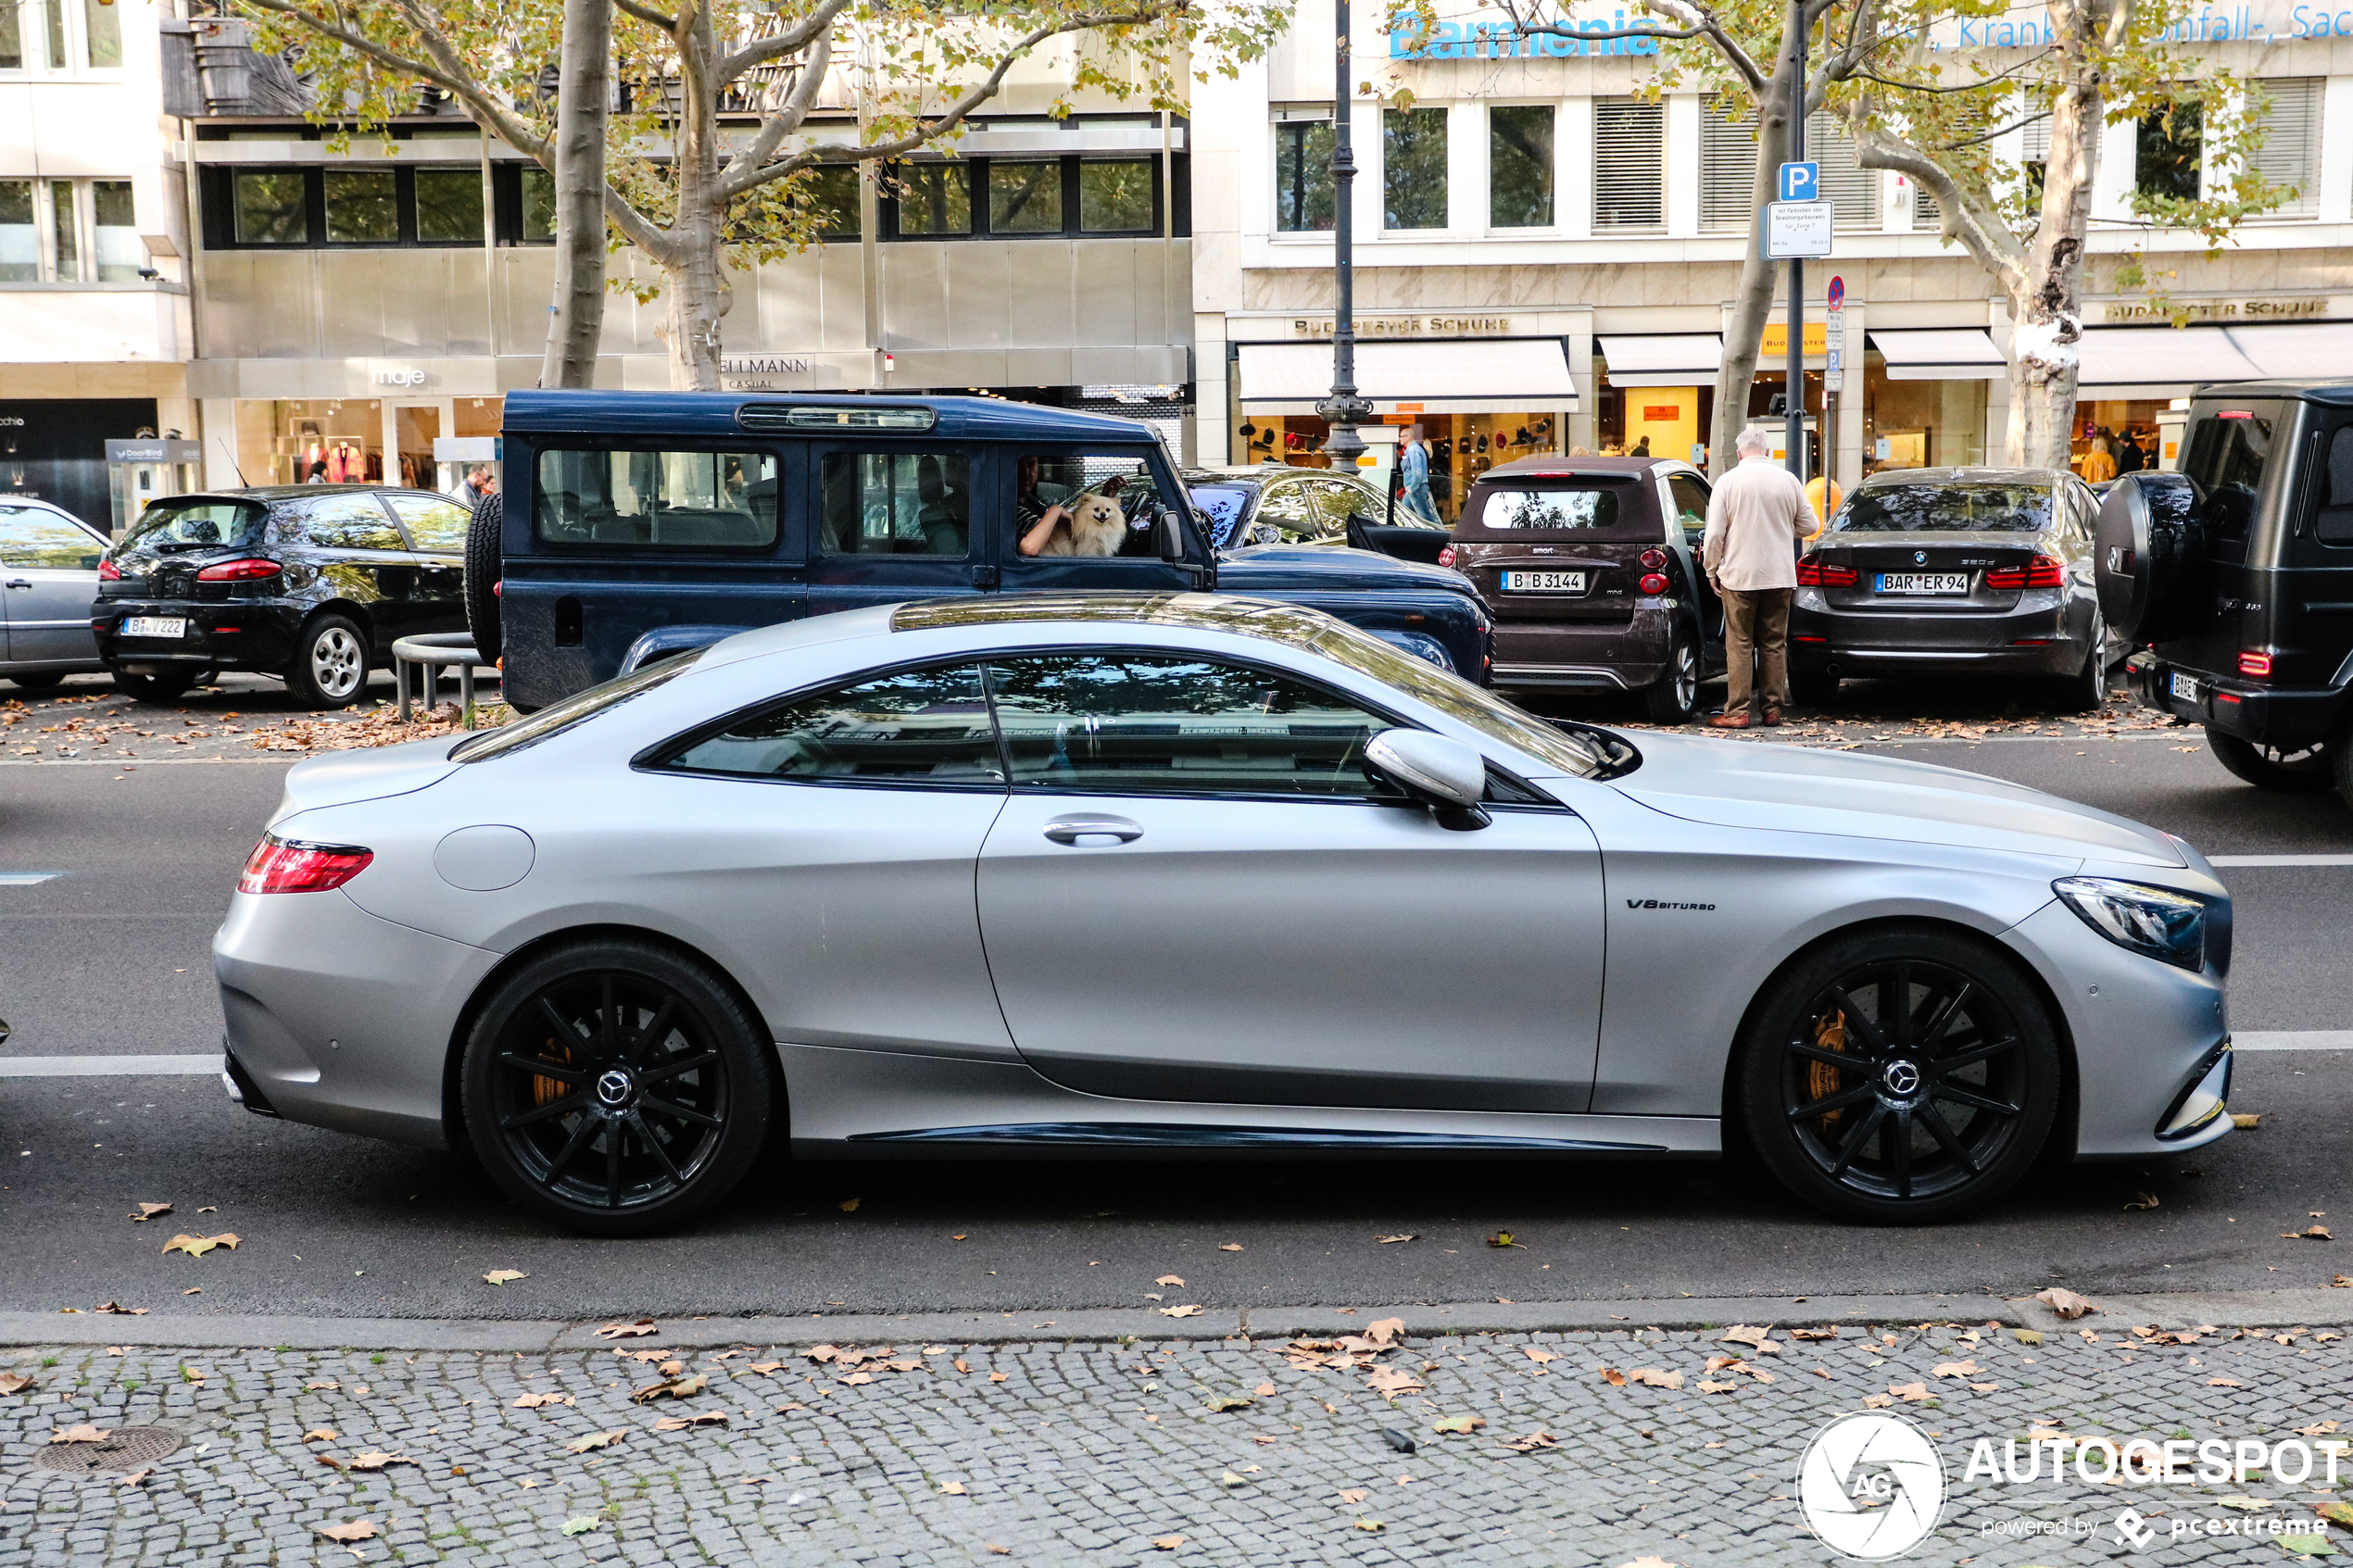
x=1801 y=182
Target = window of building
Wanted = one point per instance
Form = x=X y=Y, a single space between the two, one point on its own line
x=1630 y=165
x=101 y=33
x=1026 y=198
x=59 y=35
x=1303 y=176
x=831 y=192
x=11 y=38
x=403 y=204
x=450 y=205
x=20 y=235
x=272 y=206
x=2168 y=150
x=114 y=228
x=1727 y=169
x=1519 y=166
x=934 y=199
x=66 y=224
x=69 y=231
x=1412 y=157
x=896 y=504
x=363 y=206
x=1116 y=196
x=2290 y=157
x=536 y=190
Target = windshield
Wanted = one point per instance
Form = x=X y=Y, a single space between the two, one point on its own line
x=1547 y=511
x=1946 y=508
x=1222 y=505
x=1583 y=754
x=579 y=708
x=196 y=524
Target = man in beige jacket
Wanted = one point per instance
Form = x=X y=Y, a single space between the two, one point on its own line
x=1756 y=518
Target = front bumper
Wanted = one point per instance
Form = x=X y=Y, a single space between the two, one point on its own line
x=2265 y=715
x=2034 y=639
x=225 y=635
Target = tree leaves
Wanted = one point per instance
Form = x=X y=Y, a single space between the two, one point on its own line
x=680 y=1422
x=2066 y=1303
x=504 y=1276
x=580 y=1524
x=197 y=1245
x=376 y=1459
x=595 y=1440
x=1531 y=1442
x=81 y=1432
x=1389 y=1382
x=1190 y=1311
x=16 y=1382
x=1392 y=1241
x=537 y=1401
x=352 y=1530
x=149 y=1211
x=636 y=1330
x=1461 y=1424
x=1230 y=1402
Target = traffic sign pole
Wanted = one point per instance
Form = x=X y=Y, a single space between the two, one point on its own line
x=1795 y=386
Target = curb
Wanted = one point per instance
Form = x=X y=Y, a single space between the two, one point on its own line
x=2230 y=1309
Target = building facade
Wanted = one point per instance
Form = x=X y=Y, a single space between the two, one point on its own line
x=1546 y=252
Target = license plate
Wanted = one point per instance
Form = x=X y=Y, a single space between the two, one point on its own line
x=1543 y=582
x=155 y=626
x=1923 y=581
x=2185 y=686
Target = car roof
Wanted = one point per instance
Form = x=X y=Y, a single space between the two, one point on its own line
x=1961 y=475
x=1271 y=618
x=2334 y=390
x=1552 y=465
x=291 y=492
x=1228 y=472
x=719 y=413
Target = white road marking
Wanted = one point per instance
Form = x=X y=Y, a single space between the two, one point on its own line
x=2293 y=1040
x=26 y=879
x=176 y=1064
x=2282 y=859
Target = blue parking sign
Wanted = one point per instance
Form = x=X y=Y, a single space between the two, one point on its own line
x=1801 y=182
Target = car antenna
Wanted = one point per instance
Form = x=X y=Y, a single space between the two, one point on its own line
x=241 y=483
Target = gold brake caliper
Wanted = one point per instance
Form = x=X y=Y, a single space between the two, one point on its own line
x=1821 y=1078
x=544 y=1089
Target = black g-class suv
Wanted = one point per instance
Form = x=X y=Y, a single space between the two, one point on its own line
x=2235 y=577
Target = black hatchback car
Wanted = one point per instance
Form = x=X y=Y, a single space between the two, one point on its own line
x=310 y=583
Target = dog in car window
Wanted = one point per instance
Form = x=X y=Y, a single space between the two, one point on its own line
x=1091 y=525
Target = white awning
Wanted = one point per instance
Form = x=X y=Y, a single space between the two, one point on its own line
x=2159 y=361
x=1667 y=359
x=1448 y=376
x=1964 y=354
x=2312 y=350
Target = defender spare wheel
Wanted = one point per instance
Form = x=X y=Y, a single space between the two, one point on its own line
x=2149 y=558
x=482 y=571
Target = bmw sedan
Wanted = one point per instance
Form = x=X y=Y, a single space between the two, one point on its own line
x=1121 y=874
x=1976 y=572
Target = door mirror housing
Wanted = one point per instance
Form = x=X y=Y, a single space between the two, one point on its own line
x=1445 y=776
x=1168 y=535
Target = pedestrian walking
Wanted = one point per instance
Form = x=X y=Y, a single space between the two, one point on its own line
x=1412 y=470
x=1755 y=520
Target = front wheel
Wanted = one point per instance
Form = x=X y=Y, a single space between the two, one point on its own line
x=330 y=664
x=2306 y=770
x=616 y=1088
x=1900 y=1077
x=1672 y=698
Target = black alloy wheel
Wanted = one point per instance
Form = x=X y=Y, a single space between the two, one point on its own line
x=1900 y=1077
x=1674 y=696
x=170 y=686
x=616 y=1088
x=2301 y=770
x=2086 y=690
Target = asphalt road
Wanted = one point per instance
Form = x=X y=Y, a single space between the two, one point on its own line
x=111 y=957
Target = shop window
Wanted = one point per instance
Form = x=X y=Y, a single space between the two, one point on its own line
x=450 y=205
x=1116 y=196
x=935 y=199
x=20 y=237
x=2167 y=147
x=1630 y=165
x=114 y=229
x=280 y=441
x=539 y=193
x=1303 y=176
x=1412 y=168
x=1519 y=166
x=1026 y=198
x=363 y=206
x=271 y=206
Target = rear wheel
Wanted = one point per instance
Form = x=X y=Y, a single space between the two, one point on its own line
x=2086 y=690
x=616 y=1088
x=2307 y=771
x=39 y=680
x=330 y=664
x=168 y=687
x=1901 y=1076
x=1672 y=698
x=482 y=571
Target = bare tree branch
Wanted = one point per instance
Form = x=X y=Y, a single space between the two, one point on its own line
x=647 y=15
x=2001 y=130
x=790 y=115
x=791 y=41
x=1977 y=86
x=1961 y=216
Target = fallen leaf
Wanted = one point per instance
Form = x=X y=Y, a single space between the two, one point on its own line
x=1389 y=1382
x=1353 y=1496
x=1231 y=1480
x=1828 y=1331
x=682 y=1387
x=1654 y=1377
x=2309 y=1233
x=595 y=1440
x=1230 y=1402
x=580 y=1525
x=16 y=1382
x=1876 y=1401
x=637 y=1330
x=1759 y=1338
x=2246 y=1505
x=2245 y=1120
x=1724 y=1388
x=859 y=1379
x=2027 y=1335
x=197 y=1245
x=1384 y=1331
x=1462 y=1424
x=2337 y=1513
x=962 y=1365
x=82 y=1432
x=1371 y=1526
x=1230 y=1246
x=149 y=1211
x=997 y=1377
x=2146 y=1200
x=2306 y=1546
x=1614 y=1377
x=320 y=1434
x=356 y=1530
x=680 y=1422
x=1505 y=1238
x=951 y=1489
x=194 y=1291
x=2224 y=1382
x=1911 y=1393
x=672 y=1368
x=1187 y=1312
x=1536 y=1354
x=1167 y=1543
x=1265 y=1391
x=2066 y=1303
x=1649 y=1562
x=1528 y=1443
x=995 y=1550
x=1402 y=1236
x=376 y=1459
x=1170 y=1279
x=504 y=1276
x=1956 y=1368
x=315 y=1385
x=137 y=1478
x=1985 y=1387
x=534 y=1401
x=2319 y=1429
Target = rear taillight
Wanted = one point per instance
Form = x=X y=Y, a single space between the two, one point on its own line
x=1653 y=560
x=280 y=865
x=1445 y=556
x=251 y=570
x=108 y=573
x=497 y=590
x=1813 y=571
x=2255 y=664
x=2042 y=571
x=1653 y=583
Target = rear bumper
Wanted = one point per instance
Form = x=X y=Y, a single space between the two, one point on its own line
x=230 y=635
x=2290 y=720
x=2040 y=640
x=1590 y=656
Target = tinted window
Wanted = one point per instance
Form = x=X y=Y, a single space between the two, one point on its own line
x=32 y=538
x=2227 y=456
x=1126 y=723
x=1222 y=505
x=351 y=522
x=191 y=525
x=667 y=500
x=1307 y=508
x=1094 y=504
x=1945 y=508
x=2335 y=521
x=897 y=503
x=1548 y=510
x=433 y=524
x=918 y=726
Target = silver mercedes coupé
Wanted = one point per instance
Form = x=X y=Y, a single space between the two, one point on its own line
x=1127 y=873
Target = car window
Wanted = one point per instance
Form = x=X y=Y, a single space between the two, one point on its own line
x=195 y=525
x=911 y=727
x=1691 y=500
x=1946 y=508
x=2335 y=524
x=31 y=538
x=1546 y=510
x=896 y=502
x=2226 y=456
x=1115 y=722
x=433 y=524
x=351 y=522
x=1222 y=505
x=658 y=500
x=1082 y=505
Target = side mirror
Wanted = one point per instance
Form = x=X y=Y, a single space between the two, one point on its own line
x=1168 y=535
x=1445 y=775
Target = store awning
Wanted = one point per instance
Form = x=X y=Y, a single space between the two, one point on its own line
x=2159 y=361
x=1667 y=359
x=2313 y=349
x=1958 y=354
x=1449 y=376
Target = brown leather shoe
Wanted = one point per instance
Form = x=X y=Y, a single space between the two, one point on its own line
x=1772 y=717
x=1729 y=722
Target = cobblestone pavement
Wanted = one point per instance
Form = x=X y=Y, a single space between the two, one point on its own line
x=1118 y=1453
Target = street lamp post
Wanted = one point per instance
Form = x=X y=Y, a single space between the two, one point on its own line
x=1343 y=410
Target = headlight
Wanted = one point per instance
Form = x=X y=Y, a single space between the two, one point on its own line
x=2163 y=924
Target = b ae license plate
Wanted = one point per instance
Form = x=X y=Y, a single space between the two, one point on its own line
x=2185 y=686
x=155 y=626
x=1923 y=581
x=1543 y=582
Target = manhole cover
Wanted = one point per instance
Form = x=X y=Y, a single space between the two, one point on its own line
x=126 y=1448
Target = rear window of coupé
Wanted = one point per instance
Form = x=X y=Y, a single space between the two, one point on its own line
x=1546 y=509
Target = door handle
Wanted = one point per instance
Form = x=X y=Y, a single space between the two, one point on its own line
x=19 y=583
x=1070 y=830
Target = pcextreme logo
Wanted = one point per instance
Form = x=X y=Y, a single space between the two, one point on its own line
x=1663 y=903
x=1872 y=1485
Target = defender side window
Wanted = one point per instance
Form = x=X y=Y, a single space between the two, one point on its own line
x=659 y=500
x=1083 y=504
x=2334 y=523
x=896 y=502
